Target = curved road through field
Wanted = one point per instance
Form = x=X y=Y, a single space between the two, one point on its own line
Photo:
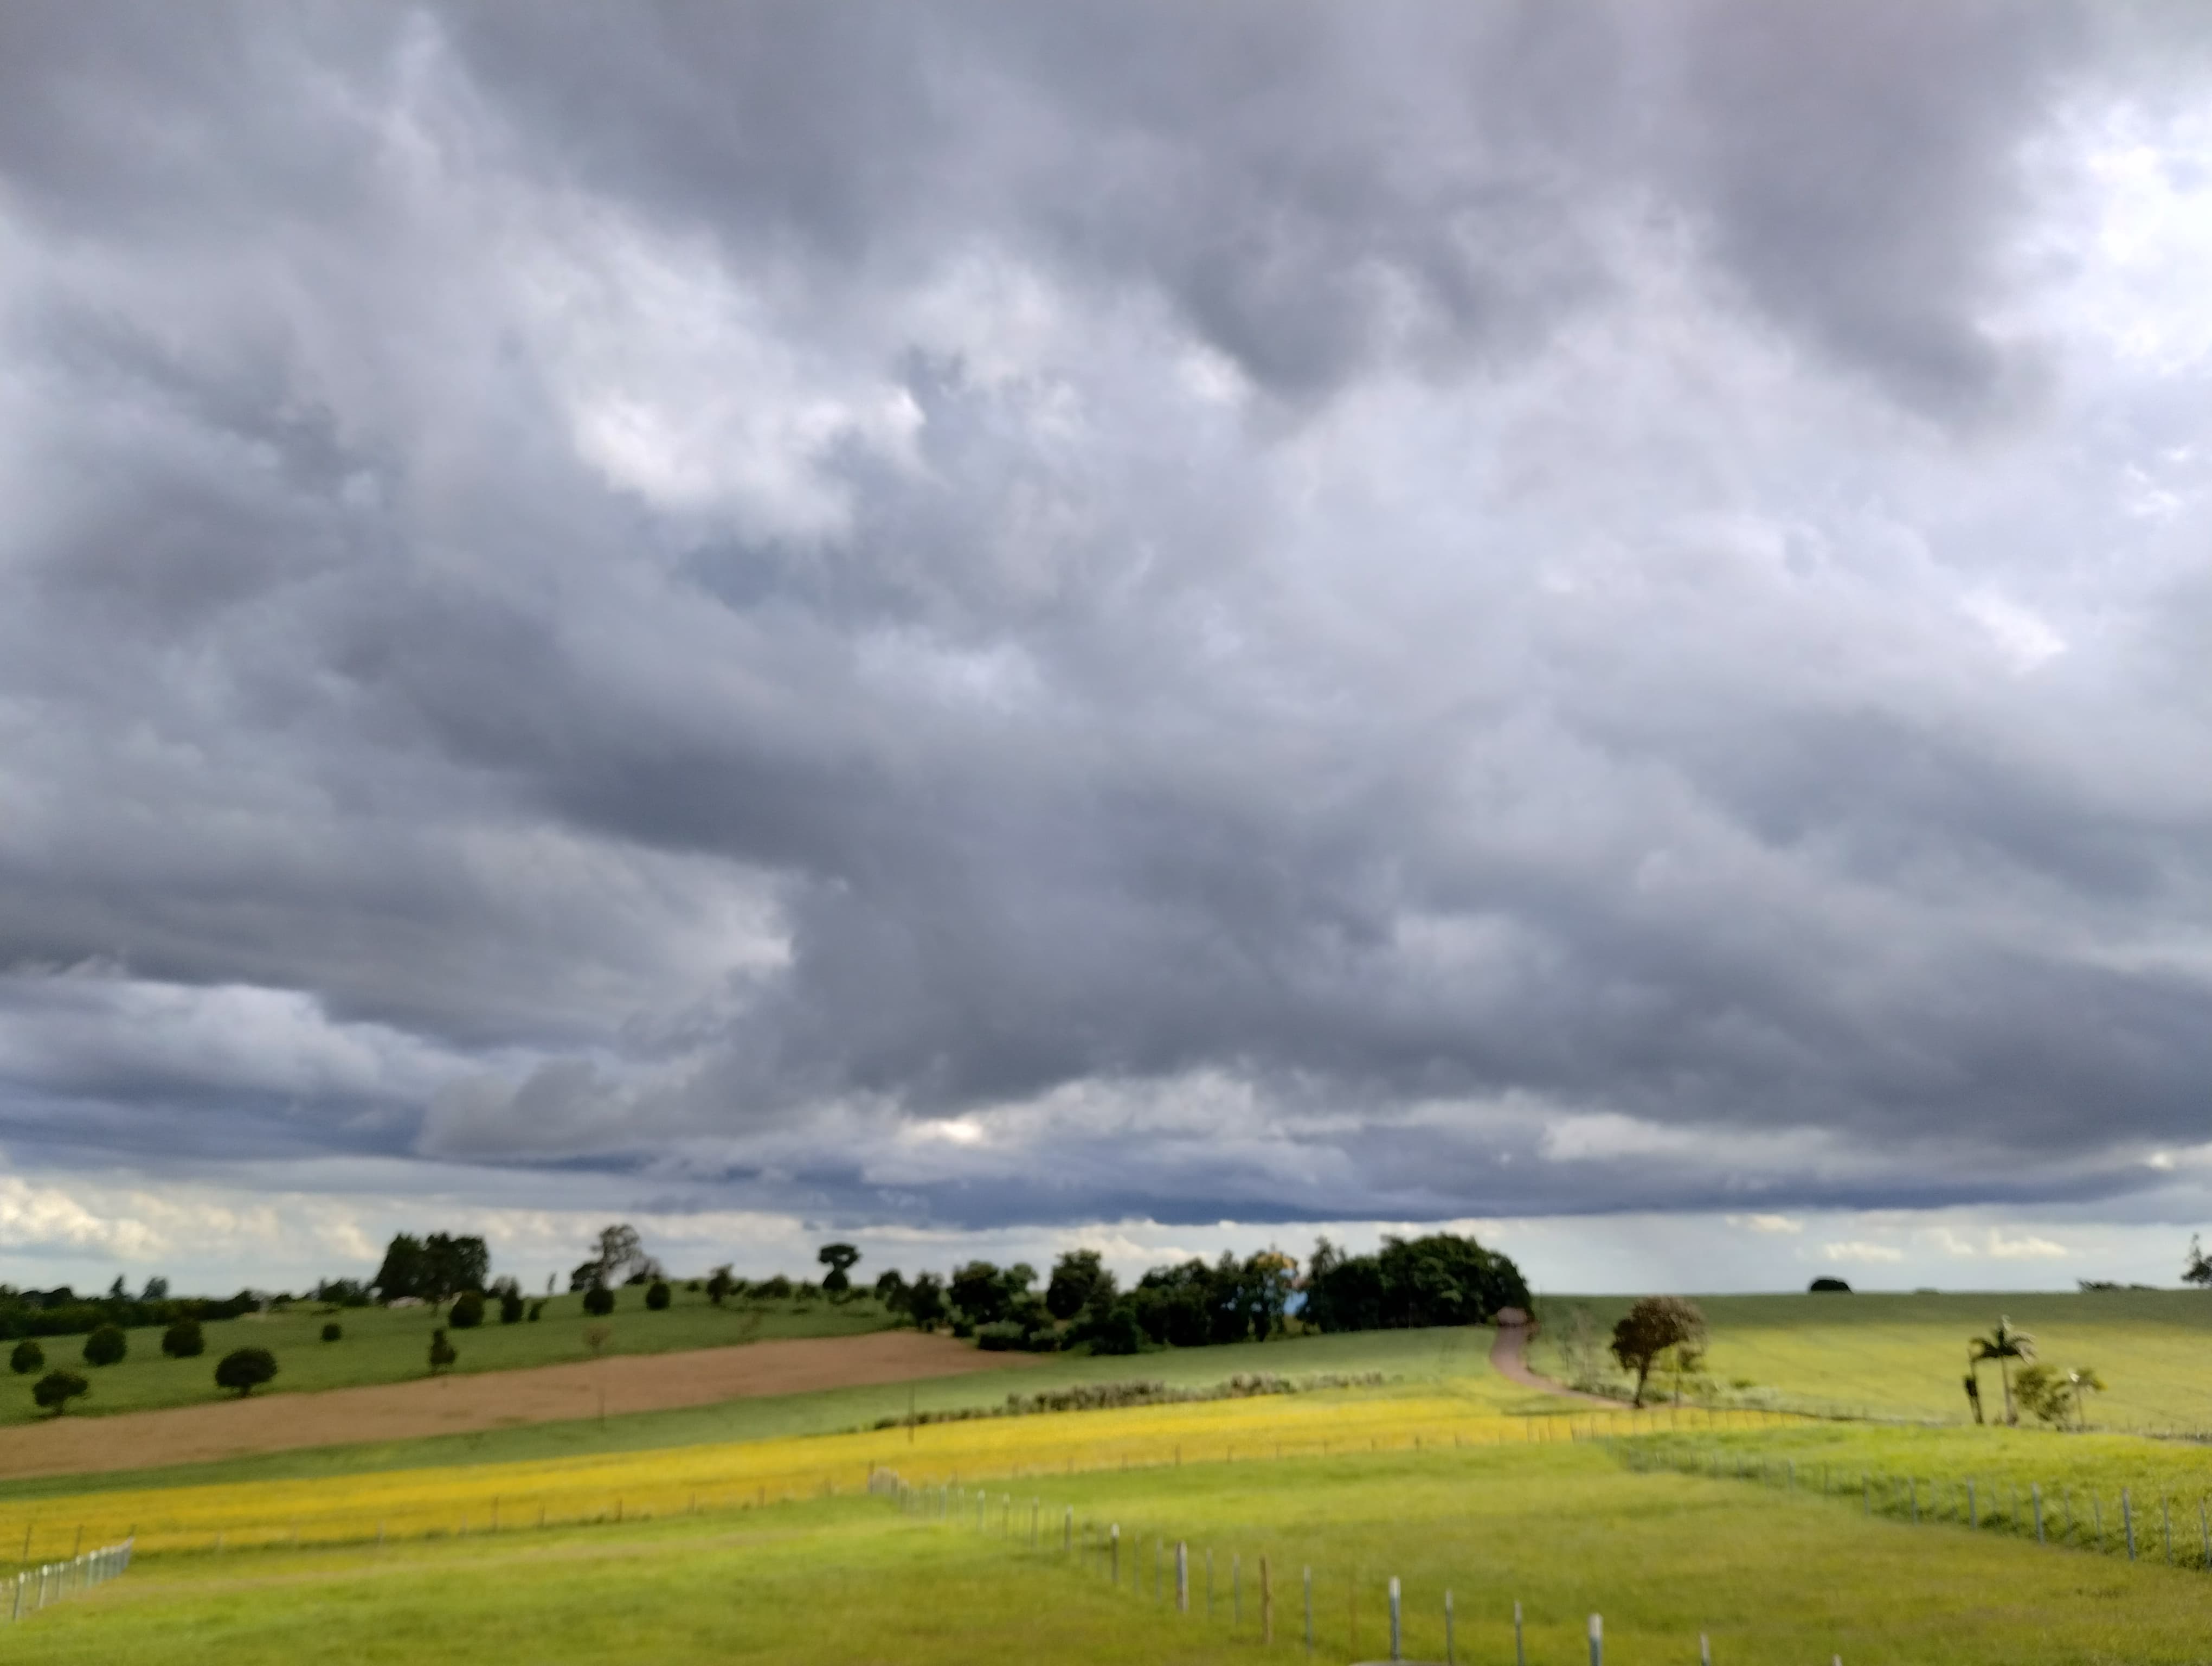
x=1509 y=1357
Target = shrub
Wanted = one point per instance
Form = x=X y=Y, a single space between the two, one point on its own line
x=599 y=1301
x=1118 y=1331
x=693 y=1287
x=245 y=1369
x=656 y=1295
x=1001 y=1336
x=510 y=1307
x=443 y=1353
x=776 y=1288
x=468 y=1310
x=106 y=1347
x=537 y=1312
x=1824 y=1286
x=183 y=1339
x=333 y=1331
x=27 y=1358
x=57 y=1388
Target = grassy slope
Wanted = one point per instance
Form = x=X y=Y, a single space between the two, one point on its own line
x=1456 y=1356
x=1563 y=1530
x=392 y=1344
x=1904 y=1355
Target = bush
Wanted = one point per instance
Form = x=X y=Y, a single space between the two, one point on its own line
x=1823 y=1286
x=537 y=1312
x=443 y=1353
x=57 y=1388
x=510 y=1307
x=1118 y=1331
x=183 y=1339
x=1001 y=1337
x=106 y=1347
x=599 y=1301
x=245 y=1369
x=656 y=1295
x=27 y=1358
x=468 y=1312
x=333 y=1331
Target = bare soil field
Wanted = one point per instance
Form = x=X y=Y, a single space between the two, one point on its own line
x=491 y=1399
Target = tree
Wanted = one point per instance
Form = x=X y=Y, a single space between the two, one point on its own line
x=57 y=1388
x=1973 y=1383
x=978 y=1293
x=332 y=1330
x=2004 y=1345
x=718 y=1284
x=26 y=1357
x=1650 y=1329
x=157 y=1289
x=1442 y=1279
x=617 y=1257
x=183 y=1339
x=2195 y=1269
x=840 y=1259
x=1830 y=1286
x=890 y=1290
x=1077 y=1277
x=599 y=1301
x=2081 y=1382
x=432 y=1268
x=925 y=1300
x=468 y=1310
x=106 y=1347
x=245 y=1369
x=510 y=1306
x=443 y=1353
x=1269 y=1278
x=656 y=1296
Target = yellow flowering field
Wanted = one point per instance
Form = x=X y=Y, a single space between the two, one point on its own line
x=424 y=1502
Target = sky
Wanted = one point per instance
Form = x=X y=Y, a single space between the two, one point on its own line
x=985 y=628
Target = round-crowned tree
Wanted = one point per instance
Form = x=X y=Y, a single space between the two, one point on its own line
x=468 y=1310
x=656 y=1295
x=599 y=1301
x=105 y=1345
x=332 y=1331
x=184 y=1340
x=57 y=1388
x=26 y=1357
x=510 y=1307
x=443 y=1353
x=244 y=1370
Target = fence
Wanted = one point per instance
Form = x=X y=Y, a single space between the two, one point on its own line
x=36 y=1587
x=1056 y=1536
x=2055 y=1516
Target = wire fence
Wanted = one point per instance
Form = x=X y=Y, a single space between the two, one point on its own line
x=2065 y=1515
x=34 y=1588
x=1247 y=1598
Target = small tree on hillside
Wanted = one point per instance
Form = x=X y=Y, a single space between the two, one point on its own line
x=1647 y=1329
x=2195 y=1269
x=57 y=1388
x=839 y=1258
x=2004 y=1345
x=468 y=1312
x=244 y=1370
x=26 y=1358
x=599 y=1301
x=656 y=1296
x=2081 y=1382
x=511 y=1306
x=184 y=1339
x=443 y=1353
x=718 y=1284
x=332 y=1330
x=106 y=1347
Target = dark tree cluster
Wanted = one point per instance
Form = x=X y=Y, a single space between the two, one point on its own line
x=432 y=1268
x=62 y=1312
x=1442 y=1279
x=618 y=1258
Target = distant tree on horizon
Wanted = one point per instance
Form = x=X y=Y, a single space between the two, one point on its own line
x=2195 y=1269
x=840 y=1259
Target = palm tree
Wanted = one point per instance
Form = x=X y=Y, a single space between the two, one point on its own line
x=2004 y=1345
x=2083 y=1380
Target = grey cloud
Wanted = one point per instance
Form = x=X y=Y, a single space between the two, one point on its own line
x=1556 y=686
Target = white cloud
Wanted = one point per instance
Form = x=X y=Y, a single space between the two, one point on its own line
x=1860 y=1251
x=2025 y=1248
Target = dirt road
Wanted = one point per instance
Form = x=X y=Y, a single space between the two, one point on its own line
x=492 y=1399
x=1509 y=1357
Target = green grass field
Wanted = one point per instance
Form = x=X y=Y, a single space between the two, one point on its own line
x=392 y=1344
x=1458 y=1358
x=1564 y=1531
x=1902 y=1356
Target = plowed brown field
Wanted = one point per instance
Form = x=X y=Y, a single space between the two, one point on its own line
x=492 y=1399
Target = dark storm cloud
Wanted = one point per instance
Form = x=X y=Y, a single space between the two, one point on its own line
x=1017 y=614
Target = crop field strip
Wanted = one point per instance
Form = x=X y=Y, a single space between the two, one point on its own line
x=399 y=1505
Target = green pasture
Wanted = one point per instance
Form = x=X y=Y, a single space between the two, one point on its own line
x=1564 y=1530
x=1868 y=1467
x=1457 y=1358
x=392 y=1344
x=1887 y=1355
